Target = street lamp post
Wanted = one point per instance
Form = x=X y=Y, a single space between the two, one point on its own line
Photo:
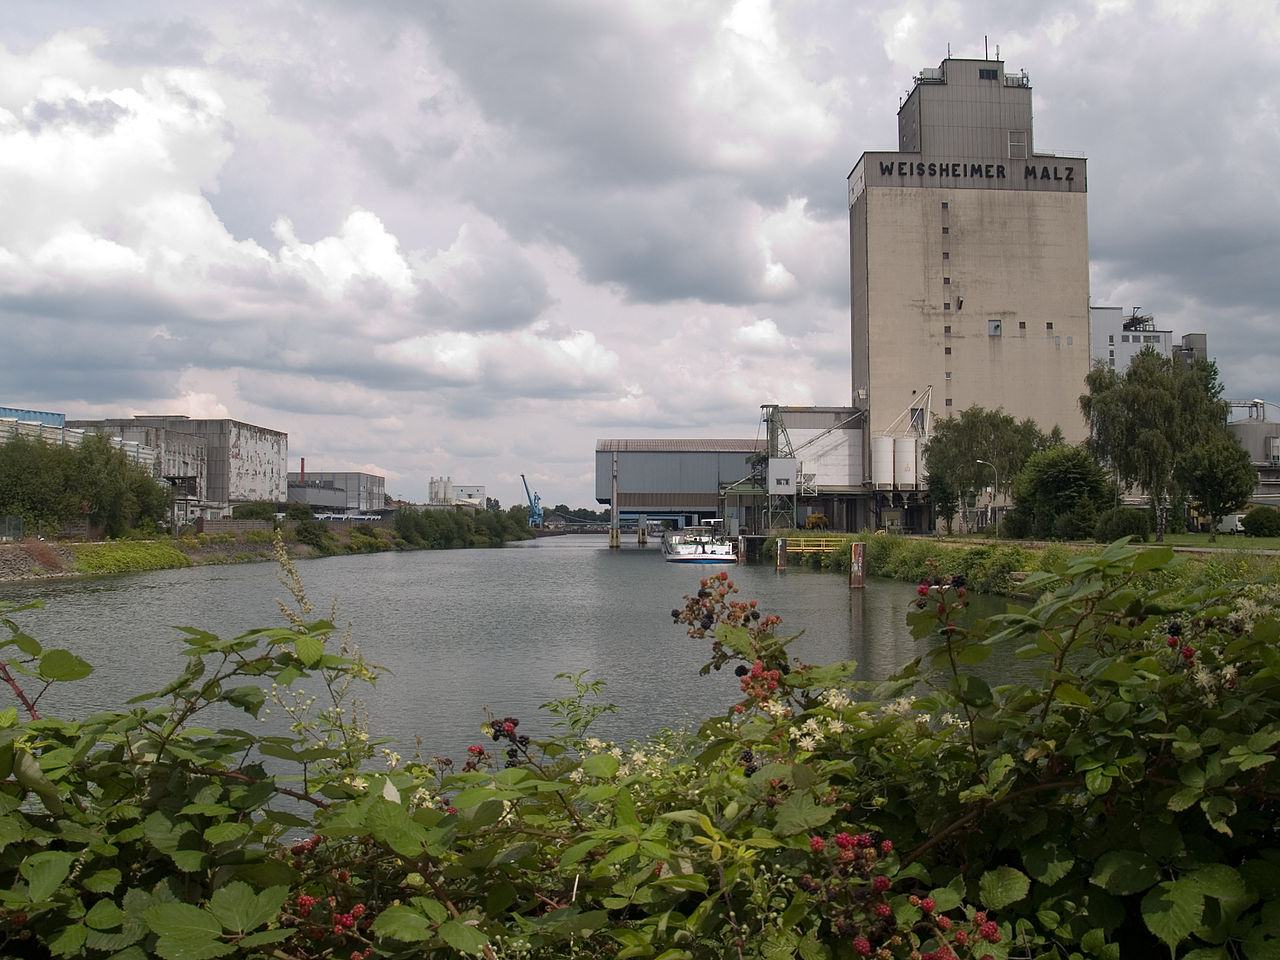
x=997 y=486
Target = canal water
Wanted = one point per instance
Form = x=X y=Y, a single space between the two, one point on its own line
x=461 y=630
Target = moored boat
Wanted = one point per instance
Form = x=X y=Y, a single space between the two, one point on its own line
x=703 y=543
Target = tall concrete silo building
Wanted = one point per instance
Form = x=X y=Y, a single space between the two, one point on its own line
x=970 y=261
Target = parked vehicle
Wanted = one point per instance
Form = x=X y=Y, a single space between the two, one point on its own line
x=1231 y=523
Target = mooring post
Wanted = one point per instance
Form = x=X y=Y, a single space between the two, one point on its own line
x=782 y=553
x=857 y=565
x=742 y=548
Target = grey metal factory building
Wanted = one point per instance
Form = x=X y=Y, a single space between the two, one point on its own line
x=676 y=480
x=808 y=460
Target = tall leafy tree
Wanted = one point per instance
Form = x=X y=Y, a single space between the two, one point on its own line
x=1142 y=421
x=958 y=443
x=945 y=497
x=1219 y=476
x=34 y=483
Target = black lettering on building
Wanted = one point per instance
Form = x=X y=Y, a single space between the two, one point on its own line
x=902 y=168
x=987 y=173
x=999 y=171
x=1056 y=175
x=919 y=169
x=1070 y=178
x=956 y=168
x=886 y=169
x=1029 y=173
x=933 y=169
x=975 y=169
x=1044 y=173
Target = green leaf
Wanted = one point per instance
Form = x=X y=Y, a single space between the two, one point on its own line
x=603 y=766
x=402 y=923
x=974 y=690
x=224 y=832
x=1124 y=871
x=309 y=648
x=578 y=851
x=1047 y=862
x=248 y=698
x=27 y=644
x=799 y=813
x=1222 y=883
x=45 y=872
x=463 y=936
x=104 y=915
x=186 y=932
x=63 y=665
x=181 y=919
x=1069 y=694
x=1002 y=886
x=70 y=940
x=1171 y=910
x=1181 y=799
x=102 y=881
x=240 y=910
x=975 y=654
x=436 y=911
x=1097 y=781
x=391 y=824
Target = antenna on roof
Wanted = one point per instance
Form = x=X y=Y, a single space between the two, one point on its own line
x=948 y=49
x=997 y=51
x=985 y=55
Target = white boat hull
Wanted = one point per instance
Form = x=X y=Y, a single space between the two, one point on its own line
x=698 y=548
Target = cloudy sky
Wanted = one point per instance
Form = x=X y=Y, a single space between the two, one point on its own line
x=469 y=238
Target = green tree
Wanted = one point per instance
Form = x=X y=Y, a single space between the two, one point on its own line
x=945 y=497
x=1219 y=476
x=257 y=510
x=1058 y=491
x=951 y=454
x=297 y=512
x=1142 y=421
x=35 y=484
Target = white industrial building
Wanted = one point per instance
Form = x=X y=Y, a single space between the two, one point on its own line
x=1116 y=338
x=442 y=491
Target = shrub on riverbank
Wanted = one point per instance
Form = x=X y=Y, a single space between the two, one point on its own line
x=1001 y=568
x=128 y=556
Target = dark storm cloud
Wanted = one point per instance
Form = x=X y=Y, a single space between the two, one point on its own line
x=637 y=239
x=86 y=361
x=575 y=80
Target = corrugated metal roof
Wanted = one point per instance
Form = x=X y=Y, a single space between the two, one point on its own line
x=679 y=446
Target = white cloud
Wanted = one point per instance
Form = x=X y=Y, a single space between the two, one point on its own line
x=763 y=335
x=363 y=249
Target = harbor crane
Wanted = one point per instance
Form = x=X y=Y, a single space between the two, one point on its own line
x=535 y=505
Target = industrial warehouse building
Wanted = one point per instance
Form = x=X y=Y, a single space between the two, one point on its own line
x=338 y=492
x=969 y=266
x=215 y=464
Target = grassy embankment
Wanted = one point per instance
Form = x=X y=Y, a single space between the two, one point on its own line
x=993 y=566
x=33 y=558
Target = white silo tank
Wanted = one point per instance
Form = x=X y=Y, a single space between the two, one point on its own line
x=882 y=462
x=904 y=463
